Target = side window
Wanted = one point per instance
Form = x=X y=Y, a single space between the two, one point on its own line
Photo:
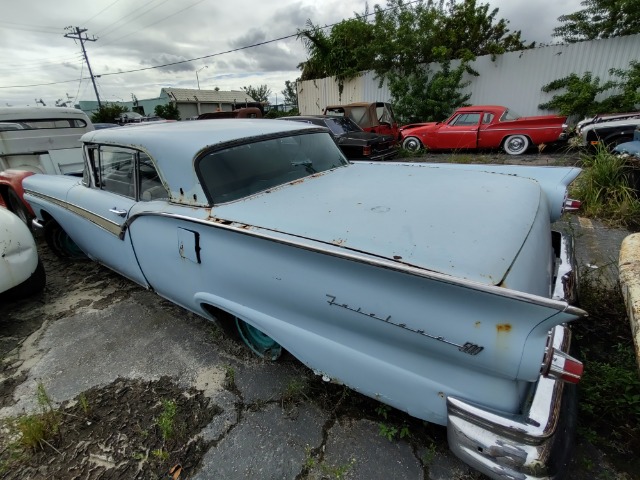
x=117 y=167
x=466 y=119
x=149 y=183
x=488 y=118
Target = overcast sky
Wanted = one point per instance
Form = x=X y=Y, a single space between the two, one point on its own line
x=132 y=35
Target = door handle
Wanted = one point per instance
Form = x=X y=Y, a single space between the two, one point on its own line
x=120 y=213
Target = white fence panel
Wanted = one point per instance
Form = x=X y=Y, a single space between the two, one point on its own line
x=514 y=79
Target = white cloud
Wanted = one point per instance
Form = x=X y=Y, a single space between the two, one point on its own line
x=134 y=35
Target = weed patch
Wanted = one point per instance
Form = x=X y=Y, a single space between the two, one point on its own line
x=114 y=432
x=603 y=187
x=609 y=406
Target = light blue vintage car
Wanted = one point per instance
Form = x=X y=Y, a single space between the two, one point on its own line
x=438 y=289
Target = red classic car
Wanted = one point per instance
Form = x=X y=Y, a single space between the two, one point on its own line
x=484 y=126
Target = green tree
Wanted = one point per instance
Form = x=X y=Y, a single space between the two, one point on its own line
x=169 y=111
x=108 y=113
x=468 y=29
x=426 y=96
x=627 y=96
x=401 y=40
x=580 y=93
x=600 y=19
x=404 y=35
x=343 y=53
x=259 y=94
x=290 y=93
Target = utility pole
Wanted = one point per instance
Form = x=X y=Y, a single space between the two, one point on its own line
x=78 y=36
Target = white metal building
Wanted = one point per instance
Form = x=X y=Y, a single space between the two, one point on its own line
x=514 y=79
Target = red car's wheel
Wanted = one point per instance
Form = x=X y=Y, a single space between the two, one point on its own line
x=516 y=144
x=411 y=144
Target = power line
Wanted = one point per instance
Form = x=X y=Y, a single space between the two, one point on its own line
x=112 y=28
x=149 y=25
x=105 y=8
x=30 y=28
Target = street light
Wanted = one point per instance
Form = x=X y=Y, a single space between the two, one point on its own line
x=197 y=79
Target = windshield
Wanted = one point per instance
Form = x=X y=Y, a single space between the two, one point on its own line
x=239 y=171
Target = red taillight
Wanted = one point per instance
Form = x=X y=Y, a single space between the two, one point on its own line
x=562 y=366
x=571 y=205
x=366 y=151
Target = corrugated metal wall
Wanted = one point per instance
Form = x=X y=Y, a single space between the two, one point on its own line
x=514 y=79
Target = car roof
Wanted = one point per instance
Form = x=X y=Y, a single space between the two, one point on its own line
x=475 y=108
x=188 y=138
x=8 y=114
x=173 y=146
x=310 y=117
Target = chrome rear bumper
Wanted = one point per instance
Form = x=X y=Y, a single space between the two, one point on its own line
x=533 y=445
x=537 y=443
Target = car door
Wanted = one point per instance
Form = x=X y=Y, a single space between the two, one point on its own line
x=460 y=132
x=104 y=200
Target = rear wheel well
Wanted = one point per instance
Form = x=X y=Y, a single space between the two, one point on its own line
x=224 y=319
x=257 y=341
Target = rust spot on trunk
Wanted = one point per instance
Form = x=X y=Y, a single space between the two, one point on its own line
x=503 y=327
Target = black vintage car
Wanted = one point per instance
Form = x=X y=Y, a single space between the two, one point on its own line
x=355 y=143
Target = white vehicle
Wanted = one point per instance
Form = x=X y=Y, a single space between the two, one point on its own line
x=21 y=271
x=38 y=140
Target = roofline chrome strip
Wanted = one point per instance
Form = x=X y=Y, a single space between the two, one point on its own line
x=559 y=305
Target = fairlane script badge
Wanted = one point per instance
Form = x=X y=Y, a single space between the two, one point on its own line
x=468 y=347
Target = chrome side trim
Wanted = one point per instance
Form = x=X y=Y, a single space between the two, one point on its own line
x=527 y=446
x=102 y=222
x=363 y=257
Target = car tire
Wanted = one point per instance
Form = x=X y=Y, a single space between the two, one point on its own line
x=412 y=144
x=260 y=344
x=516 y=144
x=32 y=285
x=18 y=207
x=60 y=243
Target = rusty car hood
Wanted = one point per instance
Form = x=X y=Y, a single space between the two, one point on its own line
x=465 y=224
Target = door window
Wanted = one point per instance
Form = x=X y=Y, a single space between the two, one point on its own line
x=466 y=119
x=117 y=171
x=127 y=172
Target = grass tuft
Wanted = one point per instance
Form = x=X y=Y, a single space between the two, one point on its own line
x=605 y=191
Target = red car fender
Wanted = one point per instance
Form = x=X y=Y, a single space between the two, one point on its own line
x=12 y=180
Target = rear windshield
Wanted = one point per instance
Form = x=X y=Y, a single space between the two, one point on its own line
x=341 y=125
x=509 y=115
x=240 y=171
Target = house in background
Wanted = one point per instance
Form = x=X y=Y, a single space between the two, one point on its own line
x=190 y=102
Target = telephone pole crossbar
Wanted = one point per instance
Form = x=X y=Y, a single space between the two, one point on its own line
x=78 y=36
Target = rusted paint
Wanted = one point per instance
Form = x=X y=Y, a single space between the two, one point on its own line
x=503 y=327
x=338 y=241
x=478 y=324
